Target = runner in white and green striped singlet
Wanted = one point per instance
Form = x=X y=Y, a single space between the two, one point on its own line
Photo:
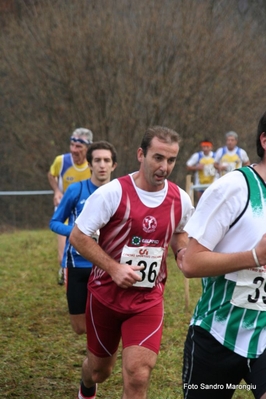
x=238 y=328
x=226 y=341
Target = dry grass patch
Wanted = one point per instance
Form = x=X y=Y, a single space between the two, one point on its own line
x=40 y=356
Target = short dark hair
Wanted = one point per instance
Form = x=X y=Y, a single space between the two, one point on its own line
x=162 y=133
x=101 y=145
x=261 y=129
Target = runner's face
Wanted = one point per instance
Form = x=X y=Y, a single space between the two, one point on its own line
x=231 y=142
x=78 y=151
x=102 y=166
x=158 y=163
x=206 y=149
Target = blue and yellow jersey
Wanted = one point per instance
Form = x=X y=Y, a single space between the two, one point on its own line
x=67 y=172
x=232 y=160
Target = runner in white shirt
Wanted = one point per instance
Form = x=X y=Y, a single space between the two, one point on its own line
x=139 y=216
x=226 y=340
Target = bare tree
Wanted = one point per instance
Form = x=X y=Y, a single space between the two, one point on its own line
x=118 y=67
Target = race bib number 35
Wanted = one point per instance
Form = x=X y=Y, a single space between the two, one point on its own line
x=148 y=257
x=250 y=289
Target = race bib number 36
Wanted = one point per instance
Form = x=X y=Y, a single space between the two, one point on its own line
x=148 y=257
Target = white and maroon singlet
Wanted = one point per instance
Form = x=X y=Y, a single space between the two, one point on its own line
x=137 y=234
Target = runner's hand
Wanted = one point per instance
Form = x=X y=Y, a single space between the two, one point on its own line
x=124 y=275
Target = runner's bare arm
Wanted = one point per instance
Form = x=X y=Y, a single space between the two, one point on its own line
x=123 y=275
x=179 y=243
x=198 y=261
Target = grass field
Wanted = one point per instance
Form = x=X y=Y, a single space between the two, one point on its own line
x=40 y=356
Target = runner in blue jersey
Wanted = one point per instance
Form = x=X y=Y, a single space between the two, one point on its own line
x=68 y=169
x=101 y=157
x=225 y=348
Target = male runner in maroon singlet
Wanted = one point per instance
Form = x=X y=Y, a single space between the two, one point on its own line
x=138 y=216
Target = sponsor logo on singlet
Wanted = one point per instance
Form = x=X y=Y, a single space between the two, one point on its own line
x=136 y=240
x=149 y=241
